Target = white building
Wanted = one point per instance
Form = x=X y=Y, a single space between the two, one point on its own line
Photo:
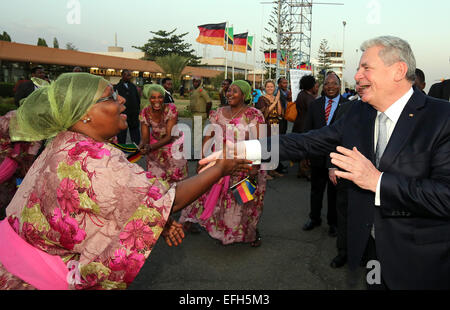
x=337 y=64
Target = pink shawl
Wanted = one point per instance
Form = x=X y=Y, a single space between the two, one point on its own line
x=41 y=270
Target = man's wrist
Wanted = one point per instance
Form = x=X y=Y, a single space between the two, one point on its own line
x=252 y=149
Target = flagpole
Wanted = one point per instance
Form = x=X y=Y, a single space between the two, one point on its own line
x=254 y=61
x=226 y=51
x=270 y=62
x=232 y=54
x=246 y=60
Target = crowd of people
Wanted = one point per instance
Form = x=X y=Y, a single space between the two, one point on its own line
x=81 y=201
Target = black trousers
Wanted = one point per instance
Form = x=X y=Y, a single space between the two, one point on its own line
x=283 y=126
x=135 y=135
x=341 y=212
x=320 y=181
x=371 y=254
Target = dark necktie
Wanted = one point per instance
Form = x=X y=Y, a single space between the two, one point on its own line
x=328 y=110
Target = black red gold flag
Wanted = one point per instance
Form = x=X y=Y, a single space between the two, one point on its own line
x=212 y=34
x=240 y=43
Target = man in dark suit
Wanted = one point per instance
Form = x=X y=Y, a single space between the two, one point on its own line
x=393 y=146
x=440 y=90
x=27 y=87
x=341 y=203
x=168 y=86
x=322 y=113
x=128 y=90
x=399 y=212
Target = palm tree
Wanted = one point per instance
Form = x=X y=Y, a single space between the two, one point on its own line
x=174 y=65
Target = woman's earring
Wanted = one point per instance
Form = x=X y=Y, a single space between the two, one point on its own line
x=86 y=120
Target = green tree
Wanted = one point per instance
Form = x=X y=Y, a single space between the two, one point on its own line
x=287 y=40
x=42 y=42
x=164 y=43
x=55 y=43
x=70 y=46
x=5 y=37
x=174 y=65
x=324 y=61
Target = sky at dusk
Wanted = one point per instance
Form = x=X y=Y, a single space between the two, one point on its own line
x=424 y=24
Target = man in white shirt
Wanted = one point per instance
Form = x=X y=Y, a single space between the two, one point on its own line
x=394 y=147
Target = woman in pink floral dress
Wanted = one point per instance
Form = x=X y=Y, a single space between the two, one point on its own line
x=231 y=222
x=21 y=156
x=84 y=217
x=157 y=121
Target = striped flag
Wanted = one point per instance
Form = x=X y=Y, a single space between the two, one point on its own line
x=271 y=57
x=131 y=150
x=135 y=157
x=212 y=34
x=243 y=191
x=250 y=43
x=239 y=42
x=229 y=36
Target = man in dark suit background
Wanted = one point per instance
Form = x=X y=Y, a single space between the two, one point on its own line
x=167 y=83
x=440 y=90
x=128 y=90
x=322 y=113
x=393 y=146
x=27 y=87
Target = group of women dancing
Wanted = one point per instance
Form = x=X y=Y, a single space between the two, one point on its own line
x=84 y=217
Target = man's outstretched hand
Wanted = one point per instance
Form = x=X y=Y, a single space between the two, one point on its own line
x=357 y=168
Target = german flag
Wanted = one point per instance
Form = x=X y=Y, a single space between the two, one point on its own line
x=271 y=58
x=243 y=191
x=240 y=43
x=212 y=34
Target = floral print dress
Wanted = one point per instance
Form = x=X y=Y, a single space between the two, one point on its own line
x=22 y=152
x=84 y=202
x=161 y=163
x=230 y=221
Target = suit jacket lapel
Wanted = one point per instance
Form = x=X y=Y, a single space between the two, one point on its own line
x=341 y=101
x=403 y=129
x=323 y=122
x=368 y=127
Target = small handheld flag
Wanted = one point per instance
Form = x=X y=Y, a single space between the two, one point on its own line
x=126 y=148
x=131 y=150
x=135 y=157
x=243 y=191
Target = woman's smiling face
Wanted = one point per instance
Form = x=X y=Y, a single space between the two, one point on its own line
x=235 y=95
x=106 y=118
x=156 y=100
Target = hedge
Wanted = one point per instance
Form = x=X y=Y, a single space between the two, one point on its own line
x=6 y=105
x=6 y=89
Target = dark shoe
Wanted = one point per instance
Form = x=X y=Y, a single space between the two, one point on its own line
x=332 y=231
x=257 y=242
x=310 y=225
x=192 y=228
x=338 y=261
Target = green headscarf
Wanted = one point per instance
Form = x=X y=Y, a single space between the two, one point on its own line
x=245 y=88
x=39 y=82
x=55 y=108
x=149 y=88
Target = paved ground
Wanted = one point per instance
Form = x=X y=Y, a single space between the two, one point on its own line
x=289 y=258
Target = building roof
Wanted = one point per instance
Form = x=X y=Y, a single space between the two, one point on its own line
x=19 y=52
x=202 y=72
x=55 y=56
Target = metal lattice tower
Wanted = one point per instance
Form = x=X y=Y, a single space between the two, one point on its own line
x=300 y=15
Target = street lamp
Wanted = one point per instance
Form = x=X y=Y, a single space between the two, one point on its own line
x=343 y=58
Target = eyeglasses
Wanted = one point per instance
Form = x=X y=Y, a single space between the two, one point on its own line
x=113 y=97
